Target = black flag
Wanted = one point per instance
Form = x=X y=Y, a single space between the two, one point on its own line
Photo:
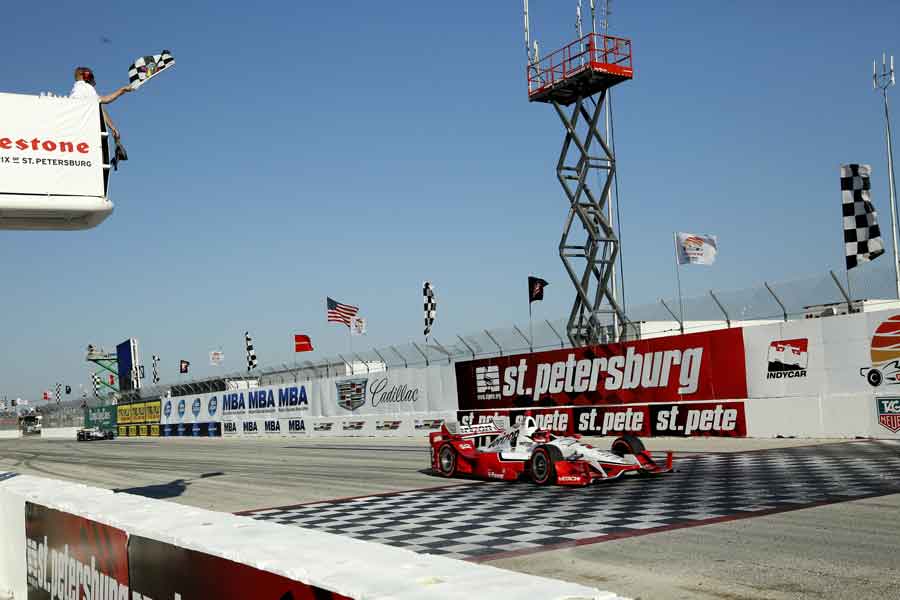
x=536 y=287
x=68 y=389
x=183 y=366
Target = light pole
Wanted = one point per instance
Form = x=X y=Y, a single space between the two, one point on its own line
x=882 y=82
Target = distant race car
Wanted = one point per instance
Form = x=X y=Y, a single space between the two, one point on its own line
x=489 y=452
x=92 y=433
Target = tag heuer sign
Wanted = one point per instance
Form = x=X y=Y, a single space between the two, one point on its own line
x=351 y=393
x=889 y=413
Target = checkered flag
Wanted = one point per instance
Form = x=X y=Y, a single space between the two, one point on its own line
x=251 y=354
x=95 y=381
x=58 y=392
x=155 y=369
x=429 y=305
x=862 y=236
x=147 y=67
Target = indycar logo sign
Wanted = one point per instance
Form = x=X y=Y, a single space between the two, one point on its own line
x=889 y=413
x=701 y=366
x=788 y=358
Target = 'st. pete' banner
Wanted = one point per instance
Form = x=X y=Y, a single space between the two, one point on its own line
x=50 y=146
x=684 y=419
x=698 y=366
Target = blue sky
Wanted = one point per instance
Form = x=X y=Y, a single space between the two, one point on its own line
x=355 y=149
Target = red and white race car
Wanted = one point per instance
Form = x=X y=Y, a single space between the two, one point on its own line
x=490 y=452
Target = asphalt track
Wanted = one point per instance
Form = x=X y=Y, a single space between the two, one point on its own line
x=833 y=549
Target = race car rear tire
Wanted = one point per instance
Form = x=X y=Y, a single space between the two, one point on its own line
x=627 y=444
x=541 y=466
x=446 y=460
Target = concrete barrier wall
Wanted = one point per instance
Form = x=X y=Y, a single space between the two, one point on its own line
x=59 y=433
x=323 y=561
x=10 y=434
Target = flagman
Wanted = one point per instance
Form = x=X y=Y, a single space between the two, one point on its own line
x=84 y=89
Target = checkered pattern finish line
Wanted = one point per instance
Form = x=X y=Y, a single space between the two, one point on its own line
x=862 y=236
x=487 y=520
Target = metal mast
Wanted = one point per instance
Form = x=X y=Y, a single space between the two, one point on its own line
x=883 y=81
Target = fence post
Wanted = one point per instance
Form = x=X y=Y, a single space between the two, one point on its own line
x=403 y=358
x=348 y=364
x=778 y=300
x=722 y=308
x=375 y=350
x=562 y=342
x=364 y=363
x=499 y=347
x=677 y=320
x=843 y=292
x=416 y=346
x=468 y=347
x=527 y=341
x=445 y=351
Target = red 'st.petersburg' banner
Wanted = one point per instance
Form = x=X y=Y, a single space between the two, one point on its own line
x=698 y=366
x=68 y=556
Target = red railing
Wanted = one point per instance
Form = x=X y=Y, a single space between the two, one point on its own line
x=594 y=51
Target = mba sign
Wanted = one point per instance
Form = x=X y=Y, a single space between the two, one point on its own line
x=265 y=400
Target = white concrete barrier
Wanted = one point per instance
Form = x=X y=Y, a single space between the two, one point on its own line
x=10 y=434
x=59 y=433
x=326 y=562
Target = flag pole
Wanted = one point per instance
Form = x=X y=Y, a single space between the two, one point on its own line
x=678 y=278
x=530 y=325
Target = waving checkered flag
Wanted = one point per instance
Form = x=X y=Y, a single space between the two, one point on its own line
x=862 y=236
x=147 y=67
x=155 y=369
x=251 y=354
x=95 y=381
x=58 y=392
x=429 y=305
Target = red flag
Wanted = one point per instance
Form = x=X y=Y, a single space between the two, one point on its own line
x=112 y=380
x=47 y=396
x=302 y=343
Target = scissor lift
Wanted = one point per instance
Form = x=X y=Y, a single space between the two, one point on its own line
x=580 y=76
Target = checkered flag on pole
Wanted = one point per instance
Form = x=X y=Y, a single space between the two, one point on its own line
x=251 y=354
x=58 y=392
x=95 y=381
x=155 y=368
x=862 y=236
x=146 y=67
x=429 y=306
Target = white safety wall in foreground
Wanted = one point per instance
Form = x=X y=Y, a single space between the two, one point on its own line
x=827 y=390
x=353 y=568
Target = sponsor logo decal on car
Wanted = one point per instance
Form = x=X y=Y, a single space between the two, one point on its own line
x=788 y=358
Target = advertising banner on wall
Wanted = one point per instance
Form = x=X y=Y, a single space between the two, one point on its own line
x=193 y=416
x=139 y=419
x=50 y=146
x=698 y=366
x=683 y=419
x=101 y=417
x=161 y=570
x=68 y=556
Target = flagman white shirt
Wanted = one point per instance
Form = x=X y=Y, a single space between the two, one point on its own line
x=83 y=91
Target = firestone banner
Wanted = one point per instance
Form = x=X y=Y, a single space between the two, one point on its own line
x=694 y=367
x=50 y=146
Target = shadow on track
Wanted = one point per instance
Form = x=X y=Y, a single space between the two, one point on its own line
x=161 y=491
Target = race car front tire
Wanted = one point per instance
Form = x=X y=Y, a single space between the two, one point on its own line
x=542 y=464
x=446 y=460
x=627 y=444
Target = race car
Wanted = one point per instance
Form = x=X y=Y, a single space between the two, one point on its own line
x=525 y=451
x=92 y=433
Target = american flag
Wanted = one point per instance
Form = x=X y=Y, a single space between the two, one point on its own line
x=340 y=313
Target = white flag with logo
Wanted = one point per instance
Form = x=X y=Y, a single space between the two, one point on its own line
x=358 y=326
x=695 y=248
